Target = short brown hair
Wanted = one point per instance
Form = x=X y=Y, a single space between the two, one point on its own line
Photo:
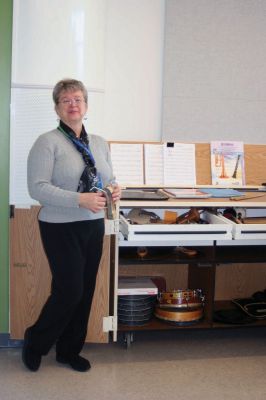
x=69 y=85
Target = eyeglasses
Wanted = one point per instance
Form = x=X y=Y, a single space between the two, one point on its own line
x=67 y=102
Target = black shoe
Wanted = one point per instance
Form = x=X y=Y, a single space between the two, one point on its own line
x=78 y=363
x=30 y=359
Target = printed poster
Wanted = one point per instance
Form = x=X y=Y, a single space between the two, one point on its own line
x=227 y=163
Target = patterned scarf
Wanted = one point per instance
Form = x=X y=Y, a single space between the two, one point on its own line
x=90 y=179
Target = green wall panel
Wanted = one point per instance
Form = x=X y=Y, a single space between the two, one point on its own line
x=5 y=84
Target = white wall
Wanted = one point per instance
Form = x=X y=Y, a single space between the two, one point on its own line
x=215 y=70
x=54 y=39
x=114 y=46
x=134 y=61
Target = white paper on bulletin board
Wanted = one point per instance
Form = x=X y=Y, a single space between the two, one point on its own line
x=127 y=160
x=179 y=164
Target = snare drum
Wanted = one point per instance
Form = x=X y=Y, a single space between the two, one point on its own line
x=180 y=306
x=181 y=299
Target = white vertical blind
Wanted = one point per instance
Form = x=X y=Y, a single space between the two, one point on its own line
x=32 y=113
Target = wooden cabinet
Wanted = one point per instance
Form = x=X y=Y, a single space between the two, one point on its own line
x=227 y=266
x=223 y=269
x=220 y=279
x=30 y=278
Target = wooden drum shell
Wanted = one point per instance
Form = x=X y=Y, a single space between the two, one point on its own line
x=179 y=316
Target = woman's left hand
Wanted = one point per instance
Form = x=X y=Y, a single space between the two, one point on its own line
x=116 y=193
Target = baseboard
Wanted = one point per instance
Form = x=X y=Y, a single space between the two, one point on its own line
x=5 y=341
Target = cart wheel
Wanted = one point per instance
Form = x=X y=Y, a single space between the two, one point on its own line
x=128 y=339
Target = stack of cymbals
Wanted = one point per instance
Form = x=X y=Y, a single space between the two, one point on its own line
x=180 y=306
x=135 y=310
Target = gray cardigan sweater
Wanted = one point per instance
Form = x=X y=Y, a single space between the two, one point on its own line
x=54 y=170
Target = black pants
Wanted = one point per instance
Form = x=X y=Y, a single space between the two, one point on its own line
x=74 y=252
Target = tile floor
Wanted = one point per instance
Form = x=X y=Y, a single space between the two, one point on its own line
x=188 y=364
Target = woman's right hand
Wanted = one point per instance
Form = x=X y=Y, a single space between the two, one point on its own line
x=94 y=202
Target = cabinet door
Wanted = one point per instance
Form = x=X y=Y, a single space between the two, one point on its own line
x=30 y=278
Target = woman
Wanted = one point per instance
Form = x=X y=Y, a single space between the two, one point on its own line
x=66 y=171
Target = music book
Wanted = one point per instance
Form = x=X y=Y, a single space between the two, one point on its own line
x=127 y=161
x=188 y=193
x=154 y=163
x=179 y=164
x=227 y=163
